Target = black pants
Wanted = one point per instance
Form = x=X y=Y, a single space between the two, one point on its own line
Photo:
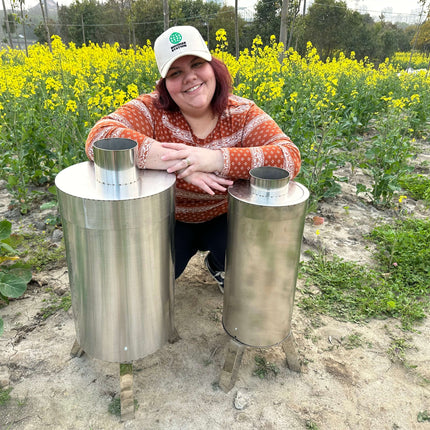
x=206 y=236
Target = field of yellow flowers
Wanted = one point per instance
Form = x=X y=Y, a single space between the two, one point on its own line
x=346 y=116
x=50 y=100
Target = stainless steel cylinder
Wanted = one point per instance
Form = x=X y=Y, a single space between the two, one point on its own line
x=114 y=162
x=118 y=227
x=265 y=228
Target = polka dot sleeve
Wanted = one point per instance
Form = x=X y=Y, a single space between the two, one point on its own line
x=131 y=121
x=263 y=144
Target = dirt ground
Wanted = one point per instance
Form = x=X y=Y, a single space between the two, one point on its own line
x=341 y=386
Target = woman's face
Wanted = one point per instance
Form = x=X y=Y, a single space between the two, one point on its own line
x=191 y=83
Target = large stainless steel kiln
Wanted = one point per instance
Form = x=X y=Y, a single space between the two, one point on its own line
x=118 y=227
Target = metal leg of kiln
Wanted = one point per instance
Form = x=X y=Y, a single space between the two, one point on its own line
x=292 y=359
x=126 y=386
x=76 y=350
x=233 y=359
x=174 y=335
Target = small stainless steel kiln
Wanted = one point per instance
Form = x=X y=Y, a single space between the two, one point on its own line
x=265 y=228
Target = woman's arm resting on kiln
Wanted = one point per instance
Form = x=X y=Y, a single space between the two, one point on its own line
x=195 y=159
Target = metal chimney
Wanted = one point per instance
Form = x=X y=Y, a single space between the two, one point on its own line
x=265 y=228
x=118 y=227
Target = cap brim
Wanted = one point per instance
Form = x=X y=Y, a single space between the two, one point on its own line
x=205 y=55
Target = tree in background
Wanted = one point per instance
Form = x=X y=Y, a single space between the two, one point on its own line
x=267 y=21
x=148 y=19
x=40 y=30
x=332 y=27
x=294 y=20
x=147 y=16
x=82 y=22
x=421 y=38
x=225 y=19
x=9 y=23
x=328 y=24
x=202 y=15
x=115 y=11
x=358 y=38
x=407 y=36
x=325 y=26
x=385 y=39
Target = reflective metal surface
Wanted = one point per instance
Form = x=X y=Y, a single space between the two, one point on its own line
x=265 y=228
x=120 y=254
x=114 y=161
x=269 y=184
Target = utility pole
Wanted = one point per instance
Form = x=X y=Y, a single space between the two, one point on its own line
x=13 y=15
x=166 y=14
x=6 y=20
x=23 y=20
x=415 y=39
x=45 y=21
x=236 y=29
x=283 y=29
x=83 y=28
x=206 y=23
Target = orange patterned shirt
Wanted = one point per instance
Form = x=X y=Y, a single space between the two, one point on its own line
x=245 y=134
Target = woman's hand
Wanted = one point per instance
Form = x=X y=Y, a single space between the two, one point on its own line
x=196 y=166
x=190 y=159
x=208 y=182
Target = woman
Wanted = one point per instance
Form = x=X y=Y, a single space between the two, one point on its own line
x=192 y=125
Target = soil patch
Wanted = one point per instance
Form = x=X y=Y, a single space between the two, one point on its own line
x=342 y=385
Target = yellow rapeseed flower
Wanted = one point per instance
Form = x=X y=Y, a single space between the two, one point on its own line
x=132 y=91
x=71 y=106
x=293 y=97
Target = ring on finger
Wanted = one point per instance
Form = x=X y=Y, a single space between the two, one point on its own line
x=187 y=161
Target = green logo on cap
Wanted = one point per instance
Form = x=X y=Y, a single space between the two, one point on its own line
x=175 y=38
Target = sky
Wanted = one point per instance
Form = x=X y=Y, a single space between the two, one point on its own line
x=373 y=7
x=396 y=7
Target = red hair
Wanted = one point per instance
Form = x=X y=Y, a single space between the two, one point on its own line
x=219 y=100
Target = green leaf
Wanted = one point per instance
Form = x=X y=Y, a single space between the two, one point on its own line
x=13 y=282
x=4 y=246
x=5 y=229
x=361 y=188
x=12 y=180
x=423 y=416
x=48 y=205
x=53 y=190
x=1 y=326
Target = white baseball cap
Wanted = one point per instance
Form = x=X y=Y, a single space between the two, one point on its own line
x=177 y=42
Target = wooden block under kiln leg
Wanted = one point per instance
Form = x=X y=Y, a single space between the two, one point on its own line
x=292 y=359
x=233 y=359
x=126 y=396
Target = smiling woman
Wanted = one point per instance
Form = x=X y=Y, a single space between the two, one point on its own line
x=191 y=83
x=192 y=125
